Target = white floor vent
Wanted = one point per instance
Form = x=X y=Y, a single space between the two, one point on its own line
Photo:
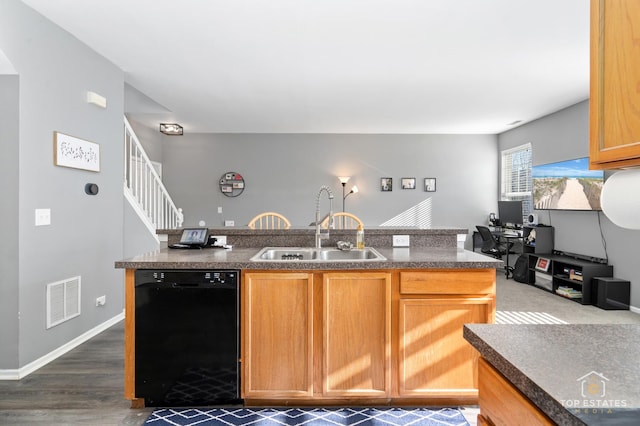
x=63 y=301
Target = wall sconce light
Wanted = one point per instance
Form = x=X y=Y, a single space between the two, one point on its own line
x=354 y=189
x=96 y=99
x=171 y=129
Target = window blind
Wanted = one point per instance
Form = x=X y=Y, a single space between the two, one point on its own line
x=516 y=177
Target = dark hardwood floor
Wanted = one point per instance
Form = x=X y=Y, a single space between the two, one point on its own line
x=83 y=387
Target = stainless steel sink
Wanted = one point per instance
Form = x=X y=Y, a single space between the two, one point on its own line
x=285 y=254
x=308 y=254
x=352 y=255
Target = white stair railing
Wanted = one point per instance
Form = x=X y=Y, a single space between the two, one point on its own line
x=144 y=188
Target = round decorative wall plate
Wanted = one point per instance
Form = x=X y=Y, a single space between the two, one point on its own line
x=231 y=184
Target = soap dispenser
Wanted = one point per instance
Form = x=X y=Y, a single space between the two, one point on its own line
x=360 y=237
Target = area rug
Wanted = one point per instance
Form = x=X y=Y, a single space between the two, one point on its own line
x=360 y=416
x=513 y=317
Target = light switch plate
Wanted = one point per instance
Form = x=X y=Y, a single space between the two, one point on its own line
x=401 y=241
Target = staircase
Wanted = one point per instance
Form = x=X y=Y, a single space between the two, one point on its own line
x=144 y=190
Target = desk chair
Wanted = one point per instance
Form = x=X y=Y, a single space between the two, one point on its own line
x=269 y=220
x=494 y=246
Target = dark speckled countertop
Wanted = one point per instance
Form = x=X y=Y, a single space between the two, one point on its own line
x=576 y=373
x=239 y=258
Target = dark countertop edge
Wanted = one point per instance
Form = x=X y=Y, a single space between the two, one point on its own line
x=538 y=396
x=381 y=230
x=415 y=258
x=297 y=266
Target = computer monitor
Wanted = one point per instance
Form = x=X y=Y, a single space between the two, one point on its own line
x=510 y=213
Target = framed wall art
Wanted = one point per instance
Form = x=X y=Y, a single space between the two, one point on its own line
x=69 y=151
x=430 y=184
x=386 y=184
x=408 y=183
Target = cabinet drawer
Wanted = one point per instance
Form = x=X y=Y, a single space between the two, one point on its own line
x=450 y=281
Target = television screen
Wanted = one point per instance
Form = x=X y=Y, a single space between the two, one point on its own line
x=567 y=185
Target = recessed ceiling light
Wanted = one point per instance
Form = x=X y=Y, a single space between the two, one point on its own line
x=171 y=129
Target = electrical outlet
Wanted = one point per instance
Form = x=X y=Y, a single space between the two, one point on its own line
x=229 y=223
x=101 y=301
x=221 y=240
x=43 y=217
x=220 y=210
x=401 y=241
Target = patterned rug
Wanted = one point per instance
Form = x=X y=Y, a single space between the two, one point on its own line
x=513 y=317
x=361 y=416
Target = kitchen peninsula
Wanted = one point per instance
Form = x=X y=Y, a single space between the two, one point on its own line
x=344 y=332
x=569 y=374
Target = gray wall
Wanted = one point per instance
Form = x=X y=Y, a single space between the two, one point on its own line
x=283 y=173
x=563 y=136
x=9 y=136
x=85 y=238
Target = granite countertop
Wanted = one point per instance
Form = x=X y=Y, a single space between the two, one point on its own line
x=239 y=258
x=575 y=373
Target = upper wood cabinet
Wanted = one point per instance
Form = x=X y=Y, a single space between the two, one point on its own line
x=614 y=122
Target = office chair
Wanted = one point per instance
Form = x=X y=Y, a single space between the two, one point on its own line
x=493 y=246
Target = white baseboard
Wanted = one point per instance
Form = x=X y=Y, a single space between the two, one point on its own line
x=17 y=374
x=634 y=309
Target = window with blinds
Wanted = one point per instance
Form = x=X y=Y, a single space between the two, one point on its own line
x=516 y=177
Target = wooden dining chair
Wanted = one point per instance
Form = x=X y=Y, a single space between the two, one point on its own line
x=342 y=220
x=269 y=220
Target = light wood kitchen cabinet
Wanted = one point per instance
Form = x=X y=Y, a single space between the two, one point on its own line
x=277 y=330
x=614 y=106
x=434 y=358
x=345 y=337
x=501 y=404
x=356 y=325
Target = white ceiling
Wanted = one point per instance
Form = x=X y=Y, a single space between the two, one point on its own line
x=341 y=66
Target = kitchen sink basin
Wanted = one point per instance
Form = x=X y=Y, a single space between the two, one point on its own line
x=308 y=254
x=353 y=255
x=285 y=254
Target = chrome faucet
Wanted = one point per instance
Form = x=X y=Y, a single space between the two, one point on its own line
x=319 y=234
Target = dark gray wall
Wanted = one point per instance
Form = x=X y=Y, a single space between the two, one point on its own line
x=9 y=137
x=563 y=136
x=85 y=237
x=283 y=173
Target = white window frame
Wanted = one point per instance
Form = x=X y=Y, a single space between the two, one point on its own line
x=522 y=156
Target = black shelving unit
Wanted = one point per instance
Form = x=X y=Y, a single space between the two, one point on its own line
x=537 y=240
x=567 y=272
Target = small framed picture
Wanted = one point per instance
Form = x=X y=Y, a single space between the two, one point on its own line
x=386 y=184
x=542 y=264
x=408 y=183
x=430 y=184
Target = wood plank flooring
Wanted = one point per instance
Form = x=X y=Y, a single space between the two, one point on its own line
x=83 y=387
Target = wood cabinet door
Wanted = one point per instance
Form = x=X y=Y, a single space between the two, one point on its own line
x=502 y=404
x=614 y=105
x=356 y=334
x=434 y=358
x=277 y=335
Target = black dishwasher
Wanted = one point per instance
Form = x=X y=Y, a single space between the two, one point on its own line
x=187 y=337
